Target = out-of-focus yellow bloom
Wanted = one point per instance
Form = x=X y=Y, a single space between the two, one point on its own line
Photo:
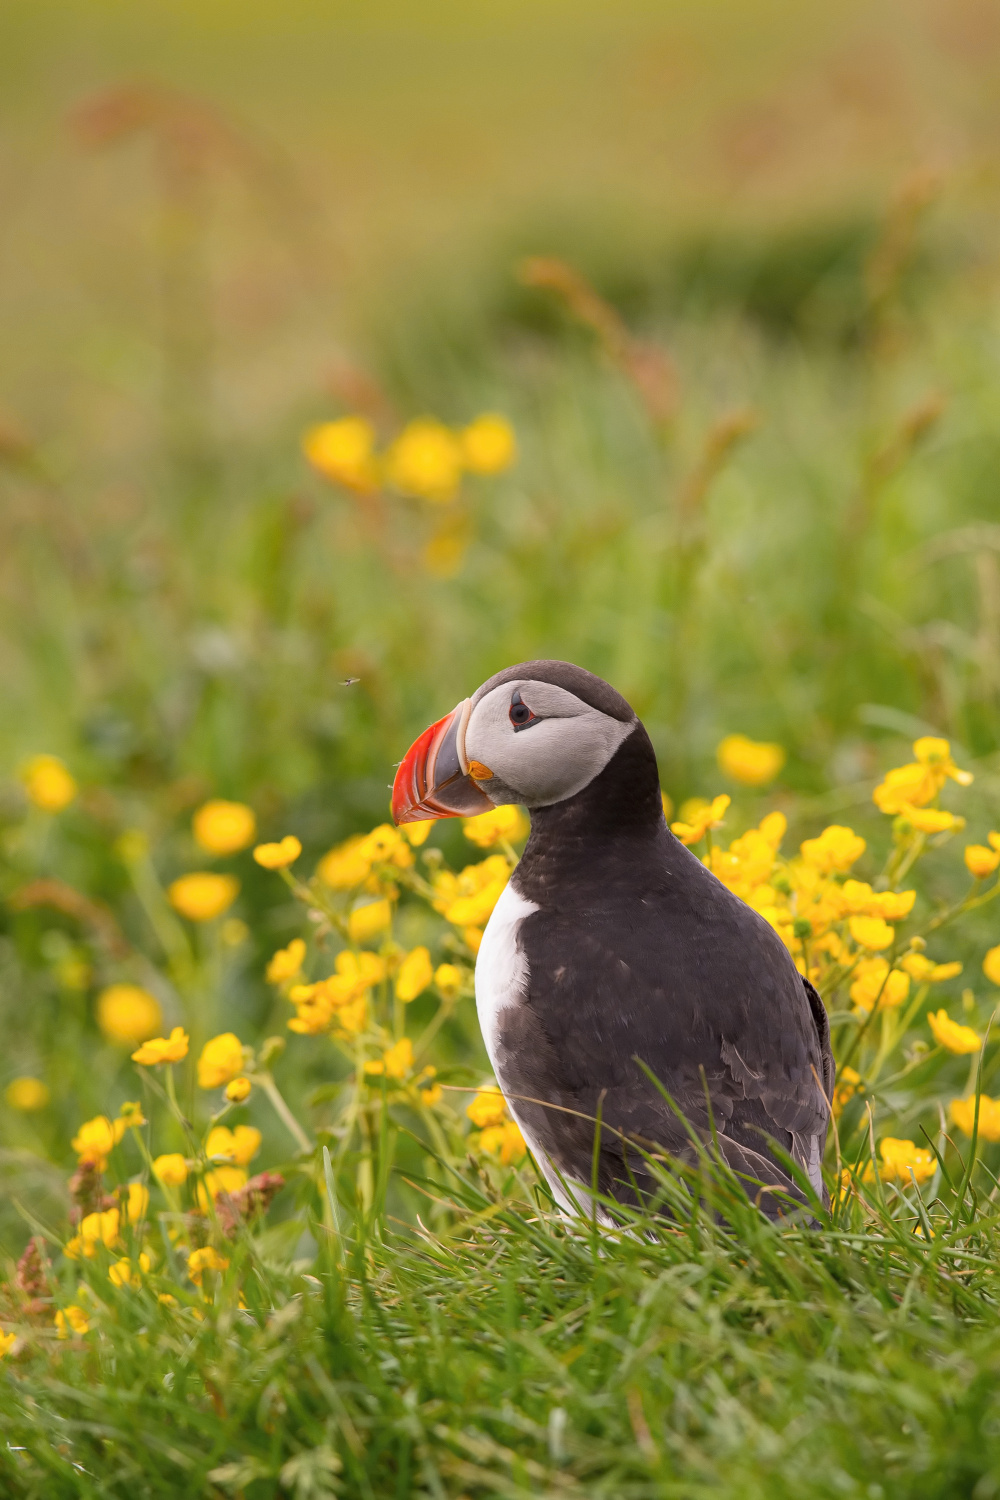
x=280 y=855
x=163 y=1049
x=836 y=848
x=221 y=827
x=220 y=1061
x=366 y=922
x=128 y=1014
x=750 y=762
x=425 y=461
x=203 y=895
x=980 y=860
x=26 y=1094
x=134 y=1198
x=950 y=1034
x=238 y=1147
x=167 y=1298
x=414 y=975
x=346 y=866
x=918 y=783
x=874 y=981
x=900 y=1158
x=504 y=1140
x=352 y=1018
x=448 y=979
x=47 y=783
x=848 y=1084
x=344 y=451
x=430 y=1092
x=472 y=938
x=488 y=828
x=205 y=1259
x=708 y=816
x=131 y=1113
x=444 y=553
x=287 y=962
x=122 y=1274
x=667 y=803
x=238 y=1090
x=932 y=819
x=71 y=1319
x=219 y=1180
x=416 y=834
x=963 y=1112
x=387 y=845
x=99 y=1229
x=96 y=1139
x=991 y=965
x=468 y=899
x=925 y=971
x=871 y=932
x=488 y=444
x=489 y=1107
x=7 y=1342
x=171 y=1169
x=395 y=1062
x=342 y=998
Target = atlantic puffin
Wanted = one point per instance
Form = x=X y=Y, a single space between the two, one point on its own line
x=612 y=945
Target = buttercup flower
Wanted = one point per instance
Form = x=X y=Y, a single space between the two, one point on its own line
x=7 y=1342
x=238 y=1146
x=488 y=444
x=709 y=815
x=416 y=834
x=874 y=981
x=468 y=899
x=287 y=962
x=220 y=1061
x=918 y=783
x=991 y=965
x=238 y=1090
x=278 y=856
x=47 y=783
x=128 y=1014
x=123 y=1274
x=980 y=860
x=224 y=827
x=414 y=975
x=430 y=1093
x=220 y=1180
x=99 y=1229
x=344 y=451
x=425 y=461
x=448 y=979
x=171 y=1169
x=848 y=1083
x=203 y=895
x=366 y=922
x=131 y=1113
x=931 y=819
x=71 y=1319
x=924 y=971
x=472 y=937
x=489 y=1107
x=871 y=932
x=836 y=848
x=900 y=1158
x=948 y=1033
x=488 y=828
x=963 y=1112
x=135 y=1201
x=395 y=1062
x=750 y=762
x=163 y=1049
x=504 y=1140
x=345 y=867
x=96 y=1139
x=26 y=1094
x=205 y=1259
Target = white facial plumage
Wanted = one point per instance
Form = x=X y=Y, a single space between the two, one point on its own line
x=566 y=744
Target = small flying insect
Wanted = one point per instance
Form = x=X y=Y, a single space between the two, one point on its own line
x=350 y=681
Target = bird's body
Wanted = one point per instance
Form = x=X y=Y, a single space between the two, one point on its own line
x=612 y=947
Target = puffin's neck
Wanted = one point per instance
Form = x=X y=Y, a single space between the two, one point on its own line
x=620 y=809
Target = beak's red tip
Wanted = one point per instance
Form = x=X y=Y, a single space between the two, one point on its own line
x=410 y=785
x=433 y=780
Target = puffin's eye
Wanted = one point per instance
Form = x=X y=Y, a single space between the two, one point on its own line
x=521 y=716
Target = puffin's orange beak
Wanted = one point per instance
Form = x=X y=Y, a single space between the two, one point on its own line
x=433 y=779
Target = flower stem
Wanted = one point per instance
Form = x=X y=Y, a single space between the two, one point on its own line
x=283 y=1112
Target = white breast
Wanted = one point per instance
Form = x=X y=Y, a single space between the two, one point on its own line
x=501 y=967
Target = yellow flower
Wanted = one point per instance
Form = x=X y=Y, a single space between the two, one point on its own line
x=26 y=1094
x=395 y=1062
x=238 y=1090
x=448 y=979
x=981 y=861
x=489 y=1107
x=346 y=867
x=170 y=1169
x=415 y=974
x=131 y=1113
x=430 y=1093
x=925 y=971
x=386 y=845
x=900 y=1158
x=238 y=1146
x=99 y=1229
x=505 y=1139
x=667 y=803
x=991 y=965
x=488 y=444
x=468 y=899
x=128 y=1014
x=848 y=1083
x=918 y=783
x=220 y=1180
x=871 y=932
x=472 y=938
x=352 y=1019
x=874 y=981
x=893 y=906
x=163 y=1049
x=287 y=962
x=366 y=922
x=425 y=461
x=205 y=1259
x=203 y=895
x=96 y=1139
x=221 y=827
x=415 y=834
x=7 y=1342
x=345 y=452
x=71 y=1319
x=750 y=762
x=135 y=1200
x=278 y=856
x=220 y=1061
x=122 y=1274
x=488 y=828
x=931 y=819
x=167 y=1298
x=707 y=816
x=47 y=783
x=963 y=1112
x=837 y=848
x=948 y=1033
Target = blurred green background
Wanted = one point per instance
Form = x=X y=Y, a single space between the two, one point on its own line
x=222 y=223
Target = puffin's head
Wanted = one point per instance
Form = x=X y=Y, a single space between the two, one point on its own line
x=534 y=734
